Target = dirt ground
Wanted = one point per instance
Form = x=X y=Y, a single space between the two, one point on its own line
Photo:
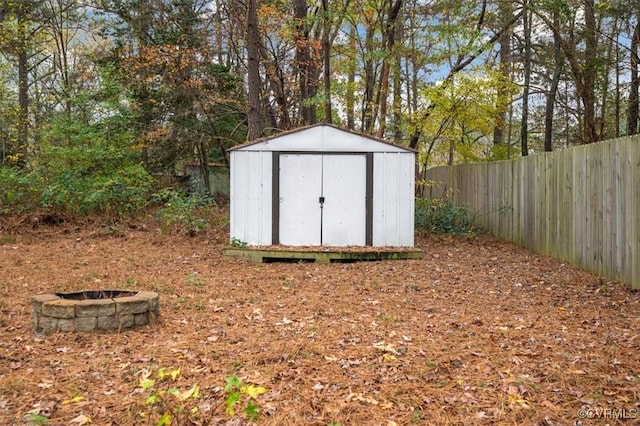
x=476 y=332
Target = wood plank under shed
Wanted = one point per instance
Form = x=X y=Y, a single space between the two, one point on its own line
x=323 y=255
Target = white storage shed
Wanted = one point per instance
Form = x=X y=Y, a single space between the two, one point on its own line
x=322 y=186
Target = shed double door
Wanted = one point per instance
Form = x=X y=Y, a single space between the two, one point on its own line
x=322 y=199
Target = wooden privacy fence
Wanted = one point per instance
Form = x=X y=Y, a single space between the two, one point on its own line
x=581 y=205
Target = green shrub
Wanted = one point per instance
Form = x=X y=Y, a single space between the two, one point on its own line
x=166 y=402
x=243 y=396
x=186 y=212
x=122 y=192
x=86 y=171
x=438 y=215
x=18 y=190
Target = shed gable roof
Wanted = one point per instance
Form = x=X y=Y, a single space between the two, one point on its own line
x=321 y=138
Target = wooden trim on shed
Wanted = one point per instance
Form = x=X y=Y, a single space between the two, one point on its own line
x=369 y=200
x=275 y=198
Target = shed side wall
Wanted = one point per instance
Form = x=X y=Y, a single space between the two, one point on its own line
x=393 y=199
x=250 y=215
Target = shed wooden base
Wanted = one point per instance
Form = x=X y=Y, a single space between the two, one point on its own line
x=320 y=255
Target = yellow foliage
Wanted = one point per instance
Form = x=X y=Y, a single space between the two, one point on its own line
x=253 y=391
x=174 y=373
x=73 y=400
x=465 y=111
x=146 y=383
x=194 y=393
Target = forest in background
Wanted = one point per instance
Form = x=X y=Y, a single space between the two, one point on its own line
x=100 y=96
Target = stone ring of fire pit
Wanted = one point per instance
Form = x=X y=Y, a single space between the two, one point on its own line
x=93 y=310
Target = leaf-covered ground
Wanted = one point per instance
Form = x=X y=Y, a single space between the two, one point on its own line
x=476 y=332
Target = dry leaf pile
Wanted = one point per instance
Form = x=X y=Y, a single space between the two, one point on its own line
x=476 y=332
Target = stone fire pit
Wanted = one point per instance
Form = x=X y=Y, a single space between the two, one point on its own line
x=93 y=310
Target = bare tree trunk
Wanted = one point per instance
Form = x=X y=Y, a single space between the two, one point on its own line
x=331 y=27
x=23 y=90
x=452 y=150
x=617 y=108
x=567 y=117
x=587 y=89
x=579 y=112
x=351 y=81
x=632 y=108
x=304 y=64
x=390 y=34
x=506 y=12
x=368 y=113
x=217 y=23
x=57 y=16
x=397 y=86
x=604 y=95
x=584 y=69
x=326 y=59
x=253 y=72
x=553 y=89
x=524 y=129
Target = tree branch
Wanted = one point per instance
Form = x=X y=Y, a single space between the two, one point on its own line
x=461 y=64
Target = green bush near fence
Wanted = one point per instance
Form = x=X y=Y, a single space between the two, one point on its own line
x=440 y=215
x=187 y=213
x=18 y=190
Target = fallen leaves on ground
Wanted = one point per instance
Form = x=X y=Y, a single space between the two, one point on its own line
x=476 y=332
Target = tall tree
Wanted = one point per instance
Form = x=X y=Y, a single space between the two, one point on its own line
x=579 y=45
x=472 y=48
x=332 y=20
x=370 y=51
x=558 y=62
x=253 y=72
x=390 y=32
x=351 y=78
x=398 y=95
x=632 y=109
x=307 y=62
x=587 y=88
x=198 y=82
x=188 y=105
x=326 y=61
x=63 y=19
x=505 y=12
x=18 y=19
x=524 y=125
x=460 y=125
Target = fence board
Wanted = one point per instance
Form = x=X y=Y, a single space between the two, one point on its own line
x=553 y=208
x=518 y=202
x=581 y=205
x=635 y=213
x=564 y=206
x=628 y=211
x=531 y=207
x=505 y=200
x=592 y=198
x=579 y=208
x=611 y=171
x=622 y=257
x=542 y=218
